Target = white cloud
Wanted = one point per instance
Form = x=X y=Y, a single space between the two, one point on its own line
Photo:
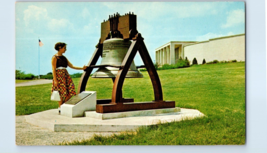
x=35 y=16
x=234 y=18
x=208 y=36
x=85 y=13
x=88 y=29
x=55 y=24
x=158 y=9
x=230 y=33
x=196 y=9
x=34 y=13
x=92 y=26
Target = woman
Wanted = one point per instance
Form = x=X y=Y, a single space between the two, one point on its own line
x=62 y=81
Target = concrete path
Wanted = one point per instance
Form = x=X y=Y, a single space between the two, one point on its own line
x=34 y=129
x=28 y=134
x=35 y=82
x=51 y=120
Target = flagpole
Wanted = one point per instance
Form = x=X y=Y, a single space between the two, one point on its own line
x=38 y=59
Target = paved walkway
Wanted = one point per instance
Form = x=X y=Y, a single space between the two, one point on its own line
x=35 y=82
x=34 y=129
x=27 y=134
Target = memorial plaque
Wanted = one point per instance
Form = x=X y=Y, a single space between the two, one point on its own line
x=76 y=99
x=76 y=106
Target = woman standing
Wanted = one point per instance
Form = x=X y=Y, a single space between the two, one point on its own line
x=62 y=81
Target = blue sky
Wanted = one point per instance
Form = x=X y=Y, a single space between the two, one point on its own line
x=78 y=25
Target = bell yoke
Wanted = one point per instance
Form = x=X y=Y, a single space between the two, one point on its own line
x=118 y=46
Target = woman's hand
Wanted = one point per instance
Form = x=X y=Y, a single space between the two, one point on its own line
x=75 y=67
x=84 y=67
x=55 y=83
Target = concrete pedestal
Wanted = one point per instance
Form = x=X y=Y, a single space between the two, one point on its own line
x=152 y=112
x=75 y=107
x=51 y=120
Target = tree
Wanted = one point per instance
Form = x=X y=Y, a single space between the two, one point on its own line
x=195 y=61
x=187 y=63
x=204 y=61
x=19 y=74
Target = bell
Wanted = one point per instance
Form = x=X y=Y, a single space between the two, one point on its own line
x=114 y=51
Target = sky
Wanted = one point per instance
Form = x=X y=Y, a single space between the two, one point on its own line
x=78 y=25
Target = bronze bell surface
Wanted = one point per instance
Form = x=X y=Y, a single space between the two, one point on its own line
x=114 y=51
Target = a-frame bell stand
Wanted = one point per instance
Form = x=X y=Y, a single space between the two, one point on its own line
x=117 y=103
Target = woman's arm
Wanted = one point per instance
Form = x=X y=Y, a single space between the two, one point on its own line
x=75 y=67
x=54 y=66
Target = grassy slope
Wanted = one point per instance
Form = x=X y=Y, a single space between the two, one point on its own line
x=216 y=90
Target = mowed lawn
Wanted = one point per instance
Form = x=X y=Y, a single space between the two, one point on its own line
x=217 y=90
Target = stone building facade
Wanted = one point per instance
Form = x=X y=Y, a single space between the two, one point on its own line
x=221 y=49
x=169 y=53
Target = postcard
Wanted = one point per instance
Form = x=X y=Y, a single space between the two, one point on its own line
x=130 y=73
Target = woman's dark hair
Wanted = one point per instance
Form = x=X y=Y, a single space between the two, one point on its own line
x=59 y=45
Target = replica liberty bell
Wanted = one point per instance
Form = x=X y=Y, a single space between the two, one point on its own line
x=114 y=51
x=118 y=45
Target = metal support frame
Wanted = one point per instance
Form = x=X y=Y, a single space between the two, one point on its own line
x=86 y=74
x=116 y=103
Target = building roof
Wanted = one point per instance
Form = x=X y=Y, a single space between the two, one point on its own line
x=181 y=42
x=197 y=42
x=215 y=39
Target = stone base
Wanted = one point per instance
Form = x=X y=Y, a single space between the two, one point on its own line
x=51 y=120
x=152 y=112
x=75 y=107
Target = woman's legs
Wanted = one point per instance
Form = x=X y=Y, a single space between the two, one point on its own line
x=59 y=106
x=60 y=103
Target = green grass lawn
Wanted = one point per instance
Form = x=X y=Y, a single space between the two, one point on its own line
x=217 y=90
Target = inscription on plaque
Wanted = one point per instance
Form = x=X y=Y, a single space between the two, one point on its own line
x=76 y=99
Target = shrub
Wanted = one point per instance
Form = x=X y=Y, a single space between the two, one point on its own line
x=19 y=74
x=49 y=76
x=156 y=65
x=22 y=76
x=204 y=61
x=195 y=61
x=215 y=61
x=143 y=69
x=28 y=76
x=181 y=63
x=233 y=61
x=76 y=75
x=187 y=62
x=167 y=66
x=170 y=66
